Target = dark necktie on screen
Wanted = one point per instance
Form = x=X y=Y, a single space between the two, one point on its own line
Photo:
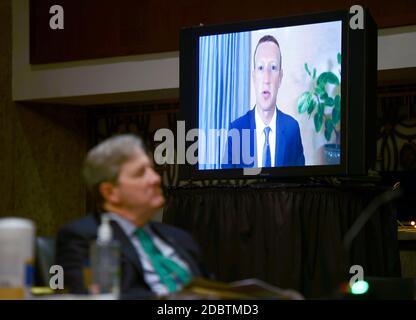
x=171 y=274
x=267 y=159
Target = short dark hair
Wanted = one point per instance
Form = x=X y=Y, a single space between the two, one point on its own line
x=268 y=38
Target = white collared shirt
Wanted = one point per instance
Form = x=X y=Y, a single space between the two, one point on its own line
x=261 y=137
x=150 y=276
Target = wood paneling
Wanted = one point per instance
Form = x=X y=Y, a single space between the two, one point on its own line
x=97 y=28
x=42 y=150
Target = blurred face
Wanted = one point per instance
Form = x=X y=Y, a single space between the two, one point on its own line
x=138 y=190
x=267 y=75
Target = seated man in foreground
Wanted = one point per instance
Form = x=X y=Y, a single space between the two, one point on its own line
x=156 y=259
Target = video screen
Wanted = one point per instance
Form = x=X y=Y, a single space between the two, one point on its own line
x=270 y=97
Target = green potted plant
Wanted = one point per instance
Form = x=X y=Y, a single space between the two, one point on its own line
x=323 y=103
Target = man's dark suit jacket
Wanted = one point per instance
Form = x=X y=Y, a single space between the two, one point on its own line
x=289 y=149
x=72 y=254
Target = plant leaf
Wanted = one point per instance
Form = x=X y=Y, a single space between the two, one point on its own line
x=313 y=102
x=319 y=90
x=336 y=112
x=329 y=127
x=307 y=69
x=327 y=77
x=324 y=96
x=307 y=103
x=321 y=108
x=314 y=74
x=318 y=119
x=329 y=101
x=339 y=57
x=336 y=115
x=303 y=102
x=337 y=102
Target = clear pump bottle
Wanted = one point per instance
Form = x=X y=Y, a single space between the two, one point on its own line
x=105 y=262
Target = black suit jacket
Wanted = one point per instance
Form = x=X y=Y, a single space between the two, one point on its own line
x=289 y=148
x=72 y=254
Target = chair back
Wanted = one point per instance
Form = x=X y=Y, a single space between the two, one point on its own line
x=45 y=258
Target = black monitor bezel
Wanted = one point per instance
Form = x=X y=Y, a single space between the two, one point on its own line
x=189 y=82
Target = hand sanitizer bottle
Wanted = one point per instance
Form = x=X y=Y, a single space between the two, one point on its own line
x=105 y=262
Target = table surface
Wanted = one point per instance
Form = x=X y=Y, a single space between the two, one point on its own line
x=406 y=233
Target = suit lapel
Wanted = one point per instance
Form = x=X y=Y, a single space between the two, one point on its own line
x=127 y=247
x=129 y=252
x=279 y=156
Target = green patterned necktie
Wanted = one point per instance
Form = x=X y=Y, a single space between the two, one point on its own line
x=171 y=274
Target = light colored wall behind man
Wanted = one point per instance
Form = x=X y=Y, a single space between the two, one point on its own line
x=317 y=45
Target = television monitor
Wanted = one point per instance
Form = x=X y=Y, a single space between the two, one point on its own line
x=284 y=97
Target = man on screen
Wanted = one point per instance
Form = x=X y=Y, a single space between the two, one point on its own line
x=265 y=136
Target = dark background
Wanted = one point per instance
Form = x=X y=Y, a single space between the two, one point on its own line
x=97 y=28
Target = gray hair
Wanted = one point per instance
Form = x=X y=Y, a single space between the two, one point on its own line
x=104 y=161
